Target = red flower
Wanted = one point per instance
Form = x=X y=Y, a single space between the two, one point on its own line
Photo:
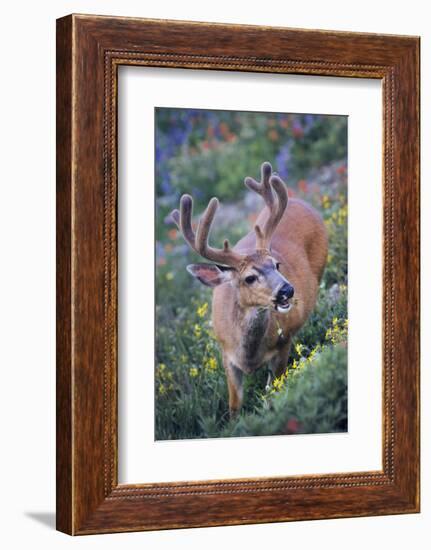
x=292 y=426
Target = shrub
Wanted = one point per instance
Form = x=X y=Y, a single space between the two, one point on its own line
x=310 y=399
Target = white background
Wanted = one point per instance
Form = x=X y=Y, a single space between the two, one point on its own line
x=141 y=458
x=27 y=121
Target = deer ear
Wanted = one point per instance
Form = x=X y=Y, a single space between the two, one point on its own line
x=211 y=274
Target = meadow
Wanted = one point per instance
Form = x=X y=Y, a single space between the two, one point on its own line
x=208 y=153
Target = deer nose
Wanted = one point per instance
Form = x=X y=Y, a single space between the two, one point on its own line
x=286 y=292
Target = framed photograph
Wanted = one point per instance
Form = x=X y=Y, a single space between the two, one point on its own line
x=237 y=274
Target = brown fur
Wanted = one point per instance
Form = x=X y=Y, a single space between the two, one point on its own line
x=300 y=244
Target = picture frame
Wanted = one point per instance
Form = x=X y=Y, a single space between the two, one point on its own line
x=89 y=51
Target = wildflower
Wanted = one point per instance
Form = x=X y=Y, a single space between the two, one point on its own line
x=273 y=135
x=279 y=382
x=173 y=234
x=284 y=123
x=292 y=426
x=211 y=364
x=303 y=186
x=197 y=331
x=193 y=371
x=326 y=203
x=202 y=310
x=299 y=348
x=169 y=276
x=338 y=332
x=162 y=389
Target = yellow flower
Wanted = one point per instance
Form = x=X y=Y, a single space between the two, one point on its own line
x=193 y=371
x=326 y=203
x=338 y=332
x=280 y=382
x=202 y=310
x=197 y=331
x=211 y=364
x=169 y=276
x=162 y=389
x=299 y=348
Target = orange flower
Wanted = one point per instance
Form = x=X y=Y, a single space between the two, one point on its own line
x=273 y=135
x=173 y=234
x=303 y=186
x=224 y=129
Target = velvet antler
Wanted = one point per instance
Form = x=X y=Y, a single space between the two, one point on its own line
x=269 y=181
x=199 y=241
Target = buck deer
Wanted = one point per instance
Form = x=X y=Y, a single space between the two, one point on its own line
x=266 y=286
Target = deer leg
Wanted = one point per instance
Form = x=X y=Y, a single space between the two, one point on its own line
x=235 y=387
x=279 y=363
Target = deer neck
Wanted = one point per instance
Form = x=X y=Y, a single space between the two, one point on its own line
x=252 y=326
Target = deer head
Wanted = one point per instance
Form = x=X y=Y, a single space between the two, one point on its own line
x=255 y=275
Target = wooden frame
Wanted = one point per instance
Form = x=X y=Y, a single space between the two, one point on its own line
x=89 y=51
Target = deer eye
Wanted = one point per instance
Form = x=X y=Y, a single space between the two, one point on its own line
x=250 y=279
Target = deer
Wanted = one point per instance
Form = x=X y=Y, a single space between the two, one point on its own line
x=264 y=287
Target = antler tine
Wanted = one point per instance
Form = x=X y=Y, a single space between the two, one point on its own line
x=274 y=219
x=183 y=220
x=204 y=227
x=199 y=241
x=224 y=256
x=264 y=189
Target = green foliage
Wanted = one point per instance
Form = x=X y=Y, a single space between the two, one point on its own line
x=311 y=399
x=208 y=153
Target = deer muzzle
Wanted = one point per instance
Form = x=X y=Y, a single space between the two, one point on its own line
x=282 y=299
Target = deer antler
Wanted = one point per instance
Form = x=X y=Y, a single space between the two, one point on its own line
x=199 y=241
x=269 y=181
